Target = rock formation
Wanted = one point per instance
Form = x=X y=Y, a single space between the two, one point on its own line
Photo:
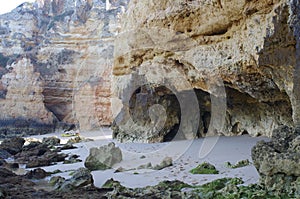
x=104 y=157
x=181 y=69
x=278 y=161
x=206 y=68
x=65 y=50
x=22 y=109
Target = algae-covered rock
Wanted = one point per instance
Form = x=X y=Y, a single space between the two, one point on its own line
x=278 y=161
x=51 y=141
x=81 y=178
x=224 y=188
x=205 y=168
x=239 y=164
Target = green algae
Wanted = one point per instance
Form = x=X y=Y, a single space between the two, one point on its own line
x=205 y=168
x=239 y=164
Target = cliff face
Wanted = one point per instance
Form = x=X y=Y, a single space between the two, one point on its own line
x=68 y=46
x=209 y=67
x=194 y=67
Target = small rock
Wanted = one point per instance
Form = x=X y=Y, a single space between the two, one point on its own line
x=51 y=141
x=13 y=145
x=205 y=168
x=68 y=147
x=33 y=145
x=104 y=157
x=57 y=181
x=120 y=169
x=78 y=139
x=145 y=166
x=36 y=174
x=165 y=163
x=81 y=178
x=70 y=133
x=239 y=164
x=72 y=159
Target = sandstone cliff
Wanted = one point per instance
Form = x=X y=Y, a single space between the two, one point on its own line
x=68 y=46
x=212 y=67
x=189 y=66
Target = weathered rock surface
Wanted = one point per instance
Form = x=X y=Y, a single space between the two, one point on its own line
x=237 y=57
x=278 y=161
x=51 y=141
x=220 y=188
x=23 y=111
x=36 y=174
x=38 y=154
x=81 y=178
x=13 y=145
x=103 y=157
x=66 y=76
x=14 y=186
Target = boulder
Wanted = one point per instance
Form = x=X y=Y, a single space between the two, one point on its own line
x=13 y=145
x=104 y=157
x=81 y=178
x=51 y=141
x=278 y=161
x=36 y=174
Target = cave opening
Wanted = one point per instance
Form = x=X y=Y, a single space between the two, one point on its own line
x=204 y=102
x=147 y=96
x=240 y=117
x=157 y=109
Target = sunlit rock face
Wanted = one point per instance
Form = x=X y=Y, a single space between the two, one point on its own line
x=22 y=109
x=70 y=46
x=237 y=57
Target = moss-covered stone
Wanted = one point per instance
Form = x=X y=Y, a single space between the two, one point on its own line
x=205 y=168
x=239 y=164
x=224 y=188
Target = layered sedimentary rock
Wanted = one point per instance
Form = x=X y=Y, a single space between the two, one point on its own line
x=22 y=109
x=69 y=45
x=206 y=68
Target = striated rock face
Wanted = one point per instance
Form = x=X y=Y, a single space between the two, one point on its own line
x=23 y=104
x=229 y=64
x=68 y=46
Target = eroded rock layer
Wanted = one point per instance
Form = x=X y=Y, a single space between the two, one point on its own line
x=237 y=57
x=69 y=45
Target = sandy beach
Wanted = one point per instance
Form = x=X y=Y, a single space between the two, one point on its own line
x=185 y=154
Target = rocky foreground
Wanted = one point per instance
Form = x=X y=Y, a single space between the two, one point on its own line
x=277 y=162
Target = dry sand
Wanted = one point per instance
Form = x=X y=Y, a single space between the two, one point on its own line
x=185 y=154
